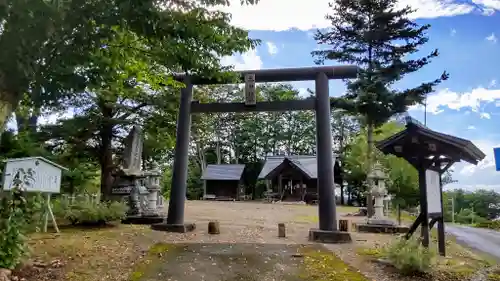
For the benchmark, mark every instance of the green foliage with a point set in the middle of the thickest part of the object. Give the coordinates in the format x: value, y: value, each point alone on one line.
x: 489, y: 224
x: 402, y: 180
x: 378, y: 37
x: 468, y: 216
x: 484, y: 204
x: 87, y: 212
x: 409, y: 256
x: 16, y: 215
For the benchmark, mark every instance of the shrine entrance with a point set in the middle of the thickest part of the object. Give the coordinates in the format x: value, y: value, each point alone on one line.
x: 327, y: 231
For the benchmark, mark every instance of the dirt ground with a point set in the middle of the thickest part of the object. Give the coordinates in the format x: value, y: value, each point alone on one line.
x: 137, y: 253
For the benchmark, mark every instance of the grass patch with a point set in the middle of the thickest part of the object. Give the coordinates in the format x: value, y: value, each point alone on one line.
x: 324, y: 265
x: 459, y: 264
x: 91, y: 254
x: 152, y: 260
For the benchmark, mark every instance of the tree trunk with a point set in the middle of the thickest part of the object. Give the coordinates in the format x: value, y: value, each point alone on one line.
x: 28, y: 124
x: 369, y: 197
x: 342, y: 193
x: 106, y: 160
x: 6, y: 109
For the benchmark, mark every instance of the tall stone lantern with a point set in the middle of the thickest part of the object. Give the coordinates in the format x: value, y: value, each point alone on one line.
x: 377, y: 178
x: 154, y: 200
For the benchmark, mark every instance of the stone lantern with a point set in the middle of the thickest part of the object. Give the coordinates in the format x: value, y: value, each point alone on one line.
x: 154, y: 198
x: 377, y: 179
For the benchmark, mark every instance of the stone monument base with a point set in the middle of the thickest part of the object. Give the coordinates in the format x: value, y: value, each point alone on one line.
x: 370, y: 227
x: 329, y: 236
x: 143, y: 220
x: 178, y: 228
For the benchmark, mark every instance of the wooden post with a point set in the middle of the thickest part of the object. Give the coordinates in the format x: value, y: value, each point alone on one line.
x: 48, y: 212
x: 213, y: 227
x: 204, y: 189
x: 281, y: 230
x: 344, y: 225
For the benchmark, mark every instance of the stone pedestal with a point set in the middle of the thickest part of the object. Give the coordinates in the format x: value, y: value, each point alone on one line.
x: 329, y: 236
x: 177, y: 228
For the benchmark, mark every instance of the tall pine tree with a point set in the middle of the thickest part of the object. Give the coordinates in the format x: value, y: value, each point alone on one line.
x: 376, y: 36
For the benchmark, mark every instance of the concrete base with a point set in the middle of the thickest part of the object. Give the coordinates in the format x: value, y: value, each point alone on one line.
x: 178, y: 228
x: 381, y: 228
x: 143, y: 220
x: 329, y: 236
x: 381, y: 222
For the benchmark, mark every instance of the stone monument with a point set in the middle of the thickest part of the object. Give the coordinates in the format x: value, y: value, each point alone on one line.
x: 379, y: 223
x: 131, y: 183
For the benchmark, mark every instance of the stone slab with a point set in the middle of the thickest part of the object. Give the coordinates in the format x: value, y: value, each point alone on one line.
x: 381, y: 228
x: 177, y: 228
x: 381, y: 222
x: 143, y: 220
x: 329, y: 236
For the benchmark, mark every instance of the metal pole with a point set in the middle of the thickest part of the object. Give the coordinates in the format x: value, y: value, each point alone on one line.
x: 326, y: 193
x: 425, y: 112
x: 179, y: 173
x: 453, y: 209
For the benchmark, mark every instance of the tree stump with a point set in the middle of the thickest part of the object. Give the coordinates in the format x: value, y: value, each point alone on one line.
x: 213, y: 227
x: 281, y: 230
x: 344, y: 225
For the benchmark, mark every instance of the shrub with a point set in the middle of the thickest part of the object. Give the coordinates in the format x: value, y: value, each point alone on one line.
x: 16, y: 214
x: 488, y: 224
x: 86, y: 212
x: 409, y: 256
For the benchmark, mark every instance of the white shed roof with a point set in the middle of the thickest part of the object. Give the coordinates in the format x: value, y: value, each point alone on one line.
x: 37, y: 158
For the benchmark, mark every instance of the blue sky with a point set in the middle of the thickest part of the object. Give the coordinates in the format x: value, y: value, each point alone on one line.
x: 466, y: 34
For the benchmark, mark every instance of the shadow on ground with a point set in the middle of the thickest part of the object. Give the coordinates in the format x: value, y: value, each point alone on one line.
x: 240, y: 262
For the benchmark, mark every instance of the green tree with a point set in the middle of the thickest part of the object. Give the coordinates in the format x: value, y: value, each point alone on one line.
x: 378, y: 37
x: 402, y: 177
x: 45, y: 44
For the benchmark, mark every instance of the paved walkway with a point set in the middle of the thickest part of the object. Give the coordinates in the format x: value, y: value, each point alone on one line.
x: 484, y: 240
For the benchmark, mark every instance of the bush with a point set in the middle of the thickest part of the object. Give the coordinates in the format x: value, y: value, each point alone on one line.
x: 488, y: 224
x: 409, y: 256
x: 87, y: 212
x: 16, y: 214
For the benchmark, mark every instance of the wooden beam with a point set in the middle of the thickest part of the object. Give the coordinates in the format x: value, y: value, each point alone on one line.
x: 277, y: 75
x: 288, y: 105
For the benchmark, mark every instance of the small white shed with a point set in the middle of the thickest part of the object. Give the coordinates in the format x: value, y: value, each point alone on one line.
x: 46, y: 174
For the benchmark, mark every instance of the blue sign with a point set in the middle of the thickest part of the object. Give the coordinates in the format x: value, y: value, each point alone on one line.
x: 496, y: 152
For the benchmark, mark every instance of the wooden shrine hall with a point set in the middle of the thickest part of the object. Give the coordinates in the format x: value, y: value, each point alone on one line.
x: 223, y: 182
x: 293, y: 178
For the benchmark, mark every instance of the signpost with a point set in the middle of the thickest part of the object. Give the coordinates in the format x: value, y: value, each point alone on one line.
x: 250, y: 96
x: 35, y: 174
x: 496, y: 152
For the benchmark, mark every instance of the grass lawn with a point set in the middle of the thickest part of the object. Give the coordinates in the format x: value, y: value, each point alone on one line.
x: 132, y: 253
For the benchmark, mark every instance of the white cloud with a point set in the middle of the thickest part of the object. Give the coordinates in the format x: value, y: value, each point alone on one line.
x: 272, y: 48
x: 487, y: 163
x: 492, y: 38
x: 471, y: 127
x: 472, y: 100
x: 485, y: 115
x: 312, y: 13
x: 453, y: 32
x: 488, y: 4
x: 246, y: 61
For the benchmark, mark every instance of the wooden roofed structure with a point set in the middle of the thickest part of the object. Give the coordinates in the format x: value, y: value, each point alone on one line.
x: 431, y: 153
x: 293, y: 177
x: 223, y: 182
